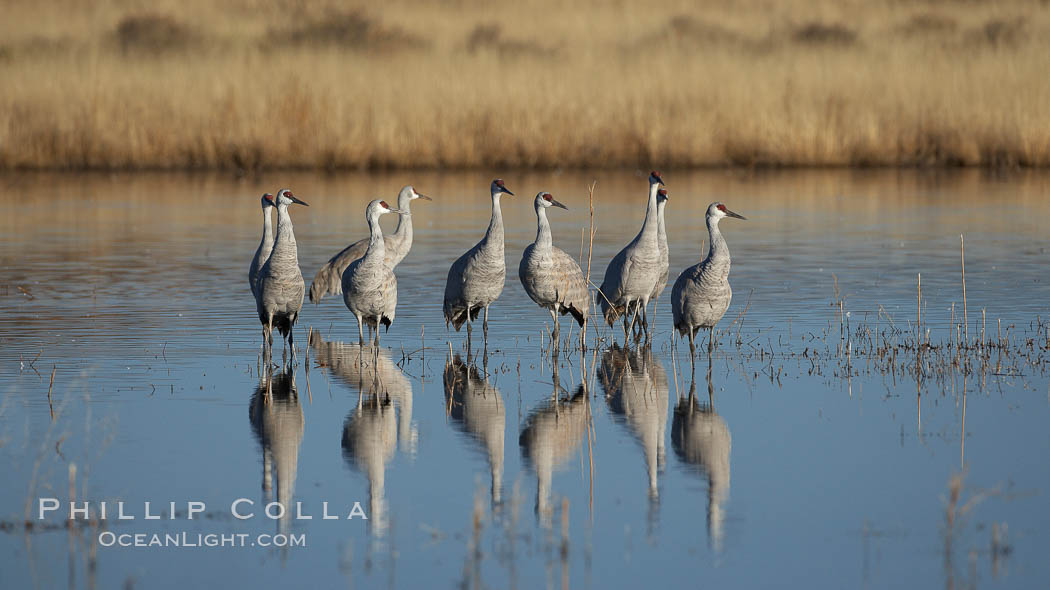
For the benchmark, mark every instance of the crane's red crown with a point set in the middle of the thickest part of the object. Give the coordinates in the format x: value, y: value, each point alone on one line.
x: 721, y: 207
x: 662, y: 192
x: 384, y: 205
x: 548, y: 197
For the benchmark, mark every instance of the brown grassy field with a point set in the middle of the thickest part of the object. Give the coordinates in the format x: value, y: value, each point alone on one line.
x: 321, y: 84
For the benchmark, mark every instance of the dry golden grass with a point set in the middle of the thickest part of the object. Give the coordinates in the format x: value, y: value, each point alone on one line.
x: 249, y: 84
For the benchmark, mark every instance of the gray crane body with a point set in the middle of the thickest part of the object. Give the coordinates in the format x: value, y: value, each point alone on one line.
x: 369, y: 285
x: 632, y: 275
x: 550, y: 276
x: 477, y: 277
x: 280, y: 281
x: 701, y: 294
x: 329, y: 278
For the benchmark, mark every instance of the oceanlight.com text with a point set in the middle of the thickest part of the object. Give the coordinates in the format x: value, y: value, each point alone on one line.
x: 196, y: 540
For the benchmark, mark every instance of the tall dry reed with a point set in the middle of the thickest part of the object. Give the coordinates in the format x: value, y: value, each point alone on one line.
x: 316, y: 84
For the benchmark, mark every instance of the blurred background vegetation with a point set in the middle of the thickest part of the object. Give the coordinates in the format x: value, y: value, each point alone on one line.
x: 319, y: 84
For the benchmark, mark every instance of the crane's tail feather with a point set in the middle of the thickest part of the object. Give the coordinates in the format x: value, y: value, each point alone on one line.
x: 457, y: 316
x: 284, y: 324
x: 326, y: 282
x: 609, y: 311
x: 316, y: 293
x: 457, y: 319
x: 577, y: 314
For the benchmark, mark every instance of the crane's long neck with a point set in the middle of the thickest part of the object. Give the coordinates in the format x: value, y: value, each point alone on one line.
x: 543, y: 231
x: 284, y: 247
x: 650, y: 227
x: 266, y: 244
x: 376, y: 246
x: 662, y: 229
x: 719, y: 251
x: 403, y: 232
x: 494, y: 234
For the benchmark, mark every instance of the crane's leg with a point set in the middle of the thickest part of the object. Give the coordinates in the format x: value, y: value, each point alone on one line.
x: 555, y: 344
x: 269, y: 332
x: 379, y: 322
x: 629, y: 310
x: 291, y: 340
x: 643, y: 320
x: 634, y: 316
x: 360, y: 330
x: 711, y: 342
x: 470, y: 328
x: 485, y: 325
x: 655, y: 303
x: 692, y: 342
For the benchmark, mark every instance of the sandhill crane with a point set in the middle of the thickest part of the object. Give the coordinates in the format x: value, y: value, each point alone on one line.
x: 478, y: 407
x: 329, y: 279
x: 632, y: 275
x: 476, y: 278
x: 701, y: 294
x: 277, y: 420
x: 369, y: 286
x: 552, y: 433
x: 280, y: 282
x: 636, y: 388
x: 550, y: 276
x: 701, y: 439
x: 262, y: 253
x: 661, y: 283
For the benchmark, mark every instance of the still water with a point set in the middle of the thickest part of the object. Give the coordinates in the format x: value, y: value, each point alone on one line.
x: 794, y: 455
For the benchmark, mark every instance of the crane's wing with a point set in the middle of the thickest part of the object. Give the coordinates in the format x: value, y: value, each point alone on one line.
x: 573, y: 294
x: 329, y: 278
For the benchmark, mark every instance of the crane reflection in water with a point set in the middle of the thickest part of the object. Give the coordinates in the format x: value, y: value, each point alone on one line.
x: 701, y: 440
x: 379, y: 422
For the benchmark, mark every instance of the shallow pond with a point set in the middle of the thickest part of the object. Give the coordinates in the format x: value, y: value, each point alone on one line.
x: 817, y: 446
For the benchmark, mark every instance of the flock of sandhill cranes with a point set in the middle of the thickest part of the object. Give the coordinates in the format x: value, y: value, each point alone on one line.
x: 363, y: 272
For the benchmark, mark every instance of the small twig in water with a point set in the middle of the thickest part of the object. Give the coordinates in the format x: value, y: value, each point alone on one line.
x: 49, y: 387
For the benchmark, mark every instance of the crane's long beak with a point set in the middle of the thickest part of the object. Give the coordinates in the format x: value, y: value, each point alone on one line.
x: 737, y: 215
x: 296, y: 200
x: 399, y: 211
x: 660, y: 180
x: 506, y: 190
x: 424, y: 197
x: 557, y: 204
